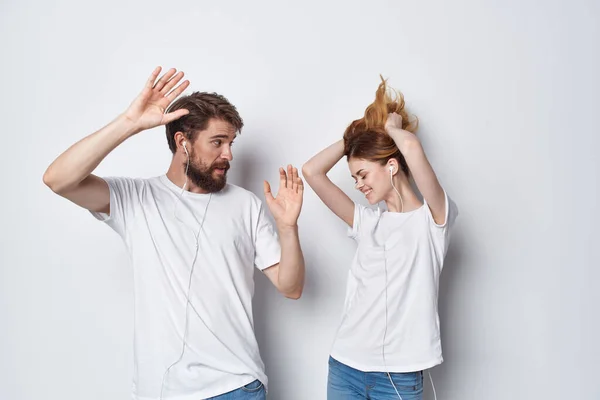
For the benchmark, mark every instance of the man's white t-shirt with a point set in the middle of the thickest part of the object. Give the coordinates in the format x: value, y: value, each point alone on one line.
x: 159, y: 228
x: 405, y: 251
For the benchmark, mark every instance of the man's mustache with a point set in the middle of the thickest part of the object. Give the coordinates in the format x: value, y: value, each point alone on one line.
x: 224, y: 166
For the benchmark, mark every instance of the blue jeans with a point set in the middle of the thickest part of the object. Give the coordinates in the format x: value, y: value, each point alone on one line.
x: 347, y: 383
x: 252, y: 391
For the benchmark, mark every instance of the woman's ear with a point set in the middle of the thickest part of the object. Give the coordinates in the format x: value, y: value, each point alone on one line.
x: 392, y: 166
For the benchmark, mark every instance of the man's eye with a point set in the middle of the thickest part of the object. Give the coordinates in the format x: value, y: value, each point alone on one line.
x: 217, y: 142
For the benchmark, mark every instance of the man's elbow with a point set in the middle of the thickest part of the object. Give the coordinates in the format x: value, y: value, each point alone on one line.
x: 293, y: 294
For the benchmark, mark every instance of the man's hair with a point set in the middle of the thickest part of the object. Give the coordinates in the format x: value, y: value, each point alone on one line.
x: 202, y: 107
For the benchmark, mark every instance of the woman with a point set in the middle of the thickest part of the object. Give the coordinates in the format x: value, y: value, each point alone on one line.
x: 390, y: 329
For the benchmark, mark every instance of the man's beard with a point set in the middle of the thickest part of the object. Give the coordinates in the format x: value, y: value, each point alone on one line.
x: 202, y: 175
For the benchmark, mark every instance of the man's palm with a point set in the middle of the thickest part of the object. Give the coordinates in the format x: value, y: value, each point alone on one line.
x: 288, y: 203
x: 148, y: 109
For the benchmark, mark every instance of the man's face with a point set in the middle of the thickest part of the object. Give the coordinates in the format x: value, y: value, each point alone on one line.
x: 210, y: 155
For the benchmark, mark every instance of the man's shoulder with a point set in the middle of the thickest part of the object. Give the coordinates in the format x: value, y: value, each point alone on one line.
x: 131, y: 180
x: 239, y: 193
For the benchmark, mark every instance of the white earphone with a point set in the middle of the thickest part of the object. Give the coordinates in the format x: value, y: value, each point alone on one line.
x: 197, y: 245
x: 391, y: 168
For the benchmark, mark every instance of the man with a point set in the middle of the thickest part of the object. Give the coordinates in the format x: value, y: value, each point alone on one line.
x: 193, y: 240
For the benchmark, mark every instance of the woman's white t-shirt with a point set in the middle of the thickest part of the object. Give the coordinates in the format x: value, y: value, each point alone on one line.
x: 405, y: 252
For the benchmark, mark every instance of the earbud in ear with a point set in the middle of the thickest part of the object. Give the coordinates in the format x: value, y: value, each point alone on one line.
x: 184, y: 145
x: 391, y: 169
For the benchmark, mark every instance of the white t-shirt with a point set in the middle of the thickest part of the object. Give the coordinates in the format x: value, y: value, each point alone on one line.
x: 221, y: 353
x: 412, y: 247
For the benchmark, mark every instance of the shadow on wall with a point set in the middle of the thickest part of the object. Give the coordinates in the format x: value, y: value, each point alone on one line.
x: 450, y: 285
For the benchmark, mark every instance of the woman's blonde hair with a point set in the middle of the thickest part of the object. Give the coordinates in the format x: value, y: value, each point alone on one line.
x: 366, y: 138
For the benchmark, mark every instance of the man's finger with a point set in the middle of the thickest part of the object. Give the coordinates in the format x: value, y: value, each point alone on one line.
x: 164, y: 79
x: 282, y: 178
x: 267, y: 189
x: 177, y: 91
x: 295, y: 179
x: 172, y: 116
x: 172, y: 82
x: 152, y: 79
x: 290, y: 181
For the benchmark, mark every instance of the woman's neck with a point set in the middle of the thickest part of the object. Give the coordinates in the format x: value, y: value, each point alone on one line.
x: 409, y: 201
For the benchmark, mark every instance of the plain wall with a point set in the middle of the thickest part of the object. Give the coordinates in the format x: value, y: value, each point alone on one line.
x: 507, y: 93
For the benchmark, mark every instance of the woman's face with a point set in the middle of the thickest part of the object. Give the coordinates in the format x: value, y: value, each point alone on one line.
x: 372, y: 179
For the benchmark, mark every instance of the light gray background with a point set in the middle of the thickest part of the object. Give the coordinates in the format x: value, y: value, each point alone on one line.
x: 507, y: 95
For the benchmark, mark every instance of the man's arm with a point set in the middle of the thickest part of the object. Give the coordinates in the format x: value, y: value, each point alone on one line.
x: 70, y: 175
x: 288, y: 274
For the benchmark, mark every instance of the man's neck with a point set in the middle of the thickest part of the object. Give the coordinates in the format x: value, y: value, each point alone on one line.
x: 176, y: 174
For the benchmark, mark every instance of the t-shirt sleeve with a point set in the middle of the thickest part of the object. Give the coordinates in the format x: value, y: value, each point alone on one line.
x: 442, y: 231
x: 267, y: 250
x: 124, y: 201
x: 364, y: 218
x: 356, y: 223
